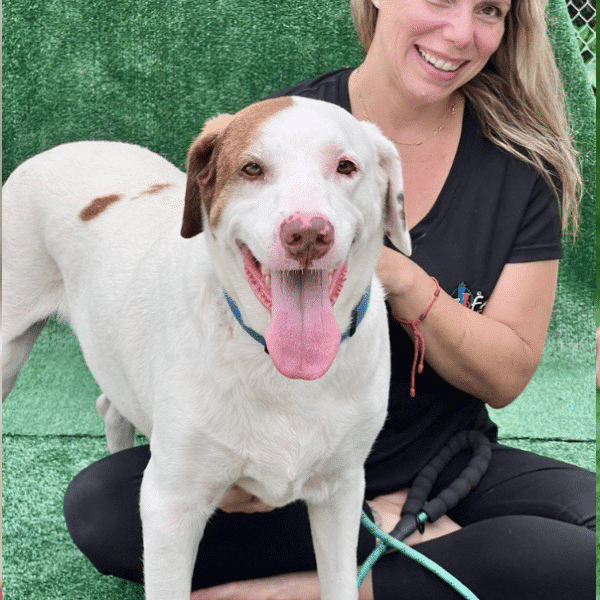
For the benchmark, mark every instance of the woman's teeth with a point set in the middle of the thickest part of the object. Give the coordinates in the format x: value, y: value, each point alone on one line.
x: 438, y: 63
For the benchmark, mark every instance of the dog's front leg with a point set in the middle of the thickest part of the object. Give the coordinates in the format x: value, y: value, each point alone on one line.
x: 334, y: 526
x: 173, y: 521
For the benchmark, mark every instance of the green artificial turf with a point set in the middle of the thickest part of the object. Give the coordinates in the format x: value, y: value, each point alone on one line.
x: 40, y: 560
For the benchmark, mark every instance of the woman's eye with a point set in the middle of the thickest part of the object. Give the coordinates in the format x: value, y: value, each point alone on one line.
x: 492, y: 11
x: 252, y: 169
x: 346, y: 167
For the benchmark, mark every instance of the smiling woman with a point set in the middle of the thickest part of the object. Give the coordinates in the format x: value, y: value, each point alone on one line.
x: 420, y: 52
x: 427, y: 49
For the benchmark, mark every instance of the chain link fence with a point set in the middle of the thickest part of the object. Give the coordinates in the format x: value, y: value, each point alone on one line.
x: 583, y: 16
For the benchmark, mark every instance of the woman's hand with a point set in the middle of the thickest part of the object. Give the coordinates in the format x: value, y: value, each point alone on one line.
x: 394, y: 271
x: 388, y: 509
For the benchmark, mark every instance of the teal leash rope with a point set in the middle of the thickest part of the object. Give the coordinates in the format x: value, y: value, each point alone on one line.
x: 389, y: 542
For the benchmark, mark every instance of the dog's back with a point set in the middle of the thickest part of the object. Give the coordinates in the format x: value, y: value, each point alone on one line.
x: 51, y: 236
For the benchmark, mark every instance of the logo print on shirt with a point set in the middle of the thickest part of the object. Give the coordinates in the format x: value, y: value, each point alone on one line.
x: 469, y: 300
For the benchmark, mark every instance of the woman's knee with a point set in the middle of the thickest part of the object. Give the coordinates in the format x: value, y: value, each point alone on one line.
x: 539, y: 556
x: 102, y: 514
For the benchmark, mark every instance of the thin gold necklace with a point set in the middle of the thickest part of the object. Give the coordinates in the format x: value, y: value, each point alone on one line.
x: 420, y: 142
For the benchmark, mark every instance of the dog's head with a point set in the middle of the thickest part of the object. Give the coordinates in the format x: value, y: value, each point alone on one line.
x: 295, y: 195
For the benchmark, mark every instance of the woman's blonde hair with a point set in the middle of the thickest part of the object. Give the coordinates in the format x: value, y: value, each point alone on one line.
x: 519, y: 99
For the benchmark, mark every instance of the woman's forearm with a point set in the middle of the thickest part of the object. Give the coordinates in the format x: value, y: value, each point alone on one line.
x: 481, y: 355
x: 472, y: 352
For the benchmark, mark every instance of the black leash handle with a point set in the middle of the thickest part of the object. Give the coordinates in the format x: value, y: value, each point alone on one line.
x: 417, y: 507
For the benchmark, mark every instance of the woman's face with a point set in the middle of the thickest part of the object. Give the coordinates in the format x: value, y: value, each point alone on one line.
x: 430, y: 48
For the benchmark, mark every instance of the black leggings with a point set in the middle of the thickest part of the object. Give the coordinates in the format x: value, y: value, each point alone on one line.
x: 528, y: 532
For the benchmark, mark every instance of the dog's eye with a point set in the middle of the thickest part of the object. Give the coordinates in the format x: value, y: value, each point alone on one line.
x: 346, y: 167
x: 252, y: 169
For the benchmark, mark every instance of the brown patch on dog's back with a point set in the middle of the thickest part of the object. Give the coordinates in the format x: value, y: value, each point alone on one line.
x: 215, y: 158
x: 98, y: 205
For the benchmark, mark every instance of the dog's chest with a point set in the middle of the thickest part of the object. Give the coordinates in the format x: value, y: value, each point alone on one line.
x: 286, y: 459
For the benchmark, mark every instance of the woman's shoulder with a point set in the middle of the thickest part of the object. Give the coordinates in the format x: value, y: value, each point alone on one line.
x: 487, y: 151
x: 483, y: 163
x: 519, y: 204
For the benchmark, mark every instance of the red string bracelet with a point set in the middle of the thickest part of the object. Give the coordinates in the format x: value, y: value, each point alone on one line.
x: 419, y: 340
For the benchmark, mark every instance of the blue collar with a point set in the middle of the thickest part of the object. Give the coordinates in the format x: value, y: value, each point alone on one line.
x: 358, y: 314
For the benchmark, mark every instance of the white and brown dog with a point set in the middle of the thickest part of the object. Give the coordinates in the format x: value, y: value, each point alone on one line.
x: 255, y: 353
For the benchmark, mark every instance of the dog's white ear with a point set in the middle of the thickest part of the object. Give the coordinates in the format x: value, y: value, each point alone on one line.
x: 394, y: 219
x: 201, y: 173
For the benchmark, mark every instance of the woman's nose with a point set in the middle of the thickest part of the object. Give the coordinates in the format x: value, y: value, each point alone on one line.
x: 460, y: 27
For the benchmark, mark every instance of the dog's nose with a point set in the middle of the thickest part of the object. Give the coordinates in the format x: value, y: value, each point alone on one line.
x: 306, y: 237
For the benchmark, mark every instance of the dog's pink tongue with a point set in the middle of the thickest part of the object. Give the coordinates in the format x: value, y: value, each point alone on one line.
x: 302, y: 337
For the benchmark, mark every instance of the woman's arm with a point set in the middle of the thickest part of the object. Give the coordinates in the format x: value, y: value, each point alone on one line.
x: 491, y: 355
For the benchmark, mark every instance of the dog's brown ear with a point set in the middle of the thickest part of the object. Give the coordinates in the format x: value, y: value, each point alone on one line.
x: 201, y: 174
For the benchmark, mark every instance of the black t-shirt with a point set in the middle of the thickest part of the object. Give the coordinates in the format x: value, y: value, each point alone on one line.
x: 493, y: 209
